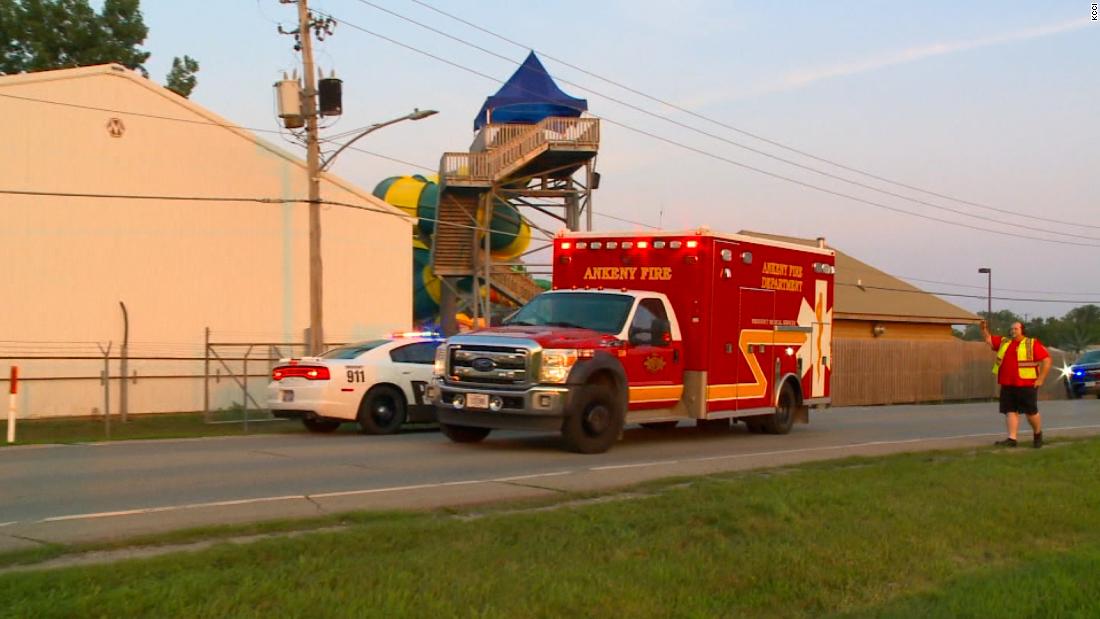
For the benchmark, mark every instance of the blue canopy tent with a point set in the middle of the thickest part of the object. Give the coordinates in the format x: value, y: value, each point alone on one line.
x: 527, y: 97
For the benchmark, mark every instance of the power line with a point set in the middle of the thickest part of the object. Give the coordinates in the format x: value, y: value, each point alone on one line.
x: 624, y: 220
x: 190, y: 121
x: 728, y: 160
x: 840, y: 193
x: 960, y: 295
x: 718, y: 137
x: 93, y: 108
x: 203, y: 122
x: 386, y: 157
x: 176, y: 198
x: 977, y: 287
x: 447, y: 223
x: 198, y: 122
x: 219, y: 198
x: 67, y: 194
x: 739, y: 130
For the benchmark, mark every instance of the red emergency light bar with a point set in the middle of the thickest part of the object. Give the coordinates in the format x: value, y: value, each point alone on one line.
x: 642, y: 244
x: 308, y: 372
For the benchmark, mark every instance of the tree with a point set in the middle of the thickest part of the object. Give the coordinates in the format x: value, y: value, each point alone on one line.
x: 181, y: 79
x: 1078, y: 329
x: 1081, y: 327
x: 999, y: 323
x: 56, y: 34
x: 37, y: 35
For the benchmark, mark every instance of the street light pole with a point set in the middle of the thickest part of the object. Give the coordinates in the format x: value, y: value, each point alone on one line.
x: 988, y: 294
x: 414, y: 115
x: 989, y: 313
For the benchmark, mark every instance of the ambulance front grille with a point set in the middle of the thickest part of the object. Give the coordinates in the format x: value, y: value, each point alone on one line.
x: 476, y: 365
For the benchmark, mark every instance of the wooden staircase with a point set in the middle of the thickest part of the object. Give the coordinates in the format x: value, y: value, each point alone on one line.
x: 500, y: 155
x: 455, y: 238
x: 517, y: 287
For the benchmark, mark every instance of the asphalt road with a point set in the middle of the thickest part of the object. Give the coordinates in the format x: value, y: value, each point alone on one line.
x: 95, y: 491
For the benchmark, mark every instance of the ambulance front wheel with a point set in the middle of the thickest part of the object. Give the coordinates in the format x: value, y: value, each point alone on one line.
x: 595, y: 421
x: 782, y: 419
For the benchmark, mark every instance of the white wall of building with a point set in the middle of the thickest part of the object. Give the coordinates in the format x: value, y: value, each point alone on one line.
x: 239, y: 268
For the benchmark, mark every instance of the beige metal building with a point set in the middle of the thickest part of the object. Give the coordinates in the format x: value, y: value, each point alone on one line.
x: 893, y: 342
x: 239, y: 267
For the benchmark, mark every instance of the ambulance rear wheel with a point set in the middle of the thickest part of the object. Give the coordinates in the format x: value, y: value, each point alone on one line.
x: 781, y: 421
x: 595, y: 422
x: 464, y: 434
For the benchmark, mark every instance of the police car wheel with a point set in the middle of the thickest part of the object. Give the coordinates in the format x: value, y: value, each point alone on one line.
x: 464, y: 434
x: 594, y: 423
x: 320, y: 426
x: 382, y: 411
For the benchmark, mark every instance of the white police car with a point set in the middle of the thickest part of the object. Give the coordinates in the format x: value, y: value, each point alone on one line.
x: 379, y: 384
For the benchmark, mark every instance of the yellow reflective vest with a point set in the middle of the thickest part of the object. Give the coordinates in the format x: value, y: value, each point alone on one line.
x: 1025, y: 358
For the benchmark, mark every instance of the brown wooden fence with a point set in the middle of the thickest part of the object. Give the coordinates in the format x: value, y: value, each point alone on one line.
x: 867, y: 372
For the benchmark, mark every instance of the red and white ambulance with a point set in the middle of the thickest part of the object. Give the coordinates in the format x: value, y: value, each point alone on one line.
x: 650, y: 329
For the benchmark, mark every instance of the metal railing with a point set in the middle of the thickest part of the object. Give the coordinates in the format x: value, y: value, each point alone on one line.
x: 224, y: 380
x: 511, y: 143
x: 471, y: 167
x: 493, y: 135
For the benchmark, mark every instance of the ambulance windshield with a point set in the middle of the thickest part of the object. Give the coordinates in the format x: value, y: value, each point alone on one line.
x: 601, y: 312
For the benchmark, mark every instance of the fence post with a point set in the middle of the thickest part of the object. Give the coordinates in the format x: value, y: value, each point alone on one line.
x: 206, y: 378
x: 14, y: 389
x: 106, y: 387
x: 123, y: 387
x: 244, y: 386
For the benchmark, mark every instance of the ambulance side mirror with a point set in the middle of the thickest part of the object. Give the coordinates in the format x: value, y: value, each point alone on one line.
x: 640, y: 337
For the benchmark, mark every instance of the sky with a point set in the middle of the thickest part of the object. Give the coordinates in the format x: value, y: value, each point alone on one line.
x: 990, y: 103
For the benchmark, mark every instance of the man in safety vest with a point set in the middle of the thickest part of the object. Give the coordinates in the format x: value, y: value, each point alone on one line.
x: 1021, y: 367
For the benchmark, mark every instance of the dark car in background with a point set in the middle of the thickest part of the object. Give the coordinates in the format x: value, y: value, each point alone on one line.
x: 1084, y: 375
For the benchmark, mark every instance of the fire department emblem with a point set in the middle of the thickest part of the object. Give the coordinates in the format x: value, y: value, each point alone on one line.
x: 654, y: 363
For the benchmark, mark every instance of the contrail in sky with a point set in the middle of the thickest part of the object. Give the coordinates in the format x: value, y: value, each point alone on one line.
x: 801, y: 78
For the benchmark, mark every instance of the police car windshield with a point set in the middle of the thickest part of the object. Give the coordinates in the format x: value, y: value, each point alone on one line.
x: 1092, y: 356
x: 605, y: 313
x: 352, y: 351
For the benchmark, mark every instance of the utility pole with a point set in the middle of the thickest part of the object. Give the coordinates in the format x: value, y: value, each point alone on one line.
x: 303, y: 106
x: 316, y: 341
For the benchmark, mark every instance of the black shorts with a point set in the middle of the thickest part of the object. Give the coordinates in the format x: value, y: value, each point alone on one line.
x: 1019, y: 400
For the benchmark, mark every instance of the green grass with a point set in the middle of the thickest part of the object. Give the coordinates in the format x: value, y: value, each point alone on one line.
x: 46, y: 552
x: 978, y: 533
x: 175, y: 425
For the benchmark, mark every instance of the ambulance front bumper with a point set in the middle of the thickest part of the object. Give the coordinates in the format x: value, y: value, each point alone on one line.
x: 541, y: 407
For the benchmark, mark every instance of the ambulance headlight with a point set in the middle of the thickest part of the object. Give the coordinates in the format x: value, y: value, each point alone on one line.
x: 556, y: 363
x: 440, y: 367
